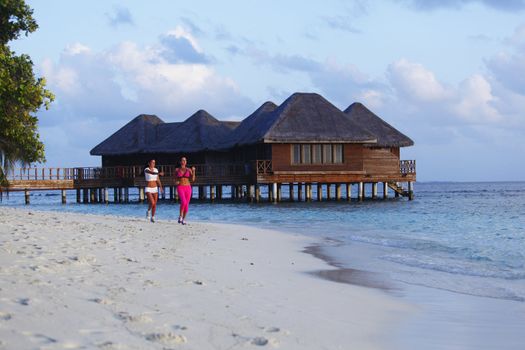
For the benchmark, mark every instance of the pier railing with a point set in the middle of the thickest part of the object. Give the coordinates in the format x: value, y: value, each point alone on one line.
x: 131, y: 172
x: 203, y: 171
x: 407, y: 167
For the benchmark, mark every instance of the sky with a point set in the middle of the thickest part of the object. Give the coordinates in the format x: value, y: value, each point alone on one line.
x: 447, y: 73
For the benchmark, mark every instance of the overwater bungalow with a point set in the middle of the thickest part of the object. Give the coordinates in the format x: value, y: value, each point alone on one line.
x: 306, y: 141
x: 306, y: 144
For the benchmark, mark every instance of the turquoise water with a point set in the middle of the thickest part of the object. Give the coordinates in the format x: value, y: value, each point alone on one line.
x: 464, y: 237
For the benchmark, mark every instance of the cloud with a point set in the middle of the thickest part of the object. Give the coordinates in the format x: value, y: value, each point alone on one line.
x: 179, y: 46
x: 505, y: 68
x: 343, y: 23
x: 98, y: 92
x: 119, y: 16
x: 429, y: 5
x: 415, y: 83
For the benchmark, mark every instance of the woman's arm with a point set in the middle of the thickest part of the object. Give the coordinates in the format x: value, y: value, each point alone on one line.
x: 192, y: 174
x: 177, y: 180
x: 159, y: 184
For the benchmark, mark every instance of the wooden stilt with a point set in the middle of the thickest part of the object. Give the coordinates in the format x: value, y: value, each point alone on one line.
x: 274, y: 192
x: 385, y: 190
x: 106, y: 195
x: 126, y: 194
x: 299, y: 191
x: 410, y: 190
x: 26, y: 196
x: 257, y: 193
x: 374, y: 190
x: 328, y: 191
x: 92, y: 195
x: 279, y: 193
x: 348, y: 191
x: 290, y: 188
x: 212, y: 193
x: 63, y: 193
x: 308, y: 192
x: 141, y: 194
x: 360, y: 191
x: 319, y: 191
x: 338, y: 192
x: 115, y: 195
x: 85, y: 195
x: 78, y: 195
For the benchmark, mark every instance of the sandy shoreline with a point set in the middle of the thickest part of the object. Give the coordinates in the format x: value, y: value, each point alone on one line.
x: 84, y: 281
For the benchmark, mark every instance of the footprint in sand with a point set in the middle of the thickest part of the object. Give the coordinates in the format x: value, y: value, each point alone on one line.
x: 40, y: 338
x: 111, y: 346
x: 124, y: 316
x: 5, y: 316
x: 166, y: 338
x: 262, y: 341
x: 23, y: 301
x: 102, y: 301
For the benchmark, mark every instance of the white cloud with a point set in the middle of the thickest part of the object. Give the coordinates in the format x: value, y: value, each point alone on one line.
x: 76, y: 48
x: 476, y: 101
x: 96, y: 89
x: 416, y: 83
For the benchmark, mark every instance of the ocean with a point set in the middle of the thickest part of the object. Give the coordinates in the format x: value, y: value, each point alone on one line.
x: 467, y: 238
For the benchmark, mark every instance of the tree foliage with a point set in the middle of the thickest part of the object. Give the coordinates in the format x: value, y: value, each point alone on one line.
x: 21, y: 93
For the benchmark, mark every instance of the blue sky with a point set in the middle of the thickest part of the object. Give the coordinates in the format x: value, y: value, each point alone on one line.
x: 447, y: 73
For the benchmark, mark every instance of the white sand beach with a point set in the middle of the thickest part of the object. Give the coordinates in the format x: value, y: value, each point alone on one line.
x: 72, y: 281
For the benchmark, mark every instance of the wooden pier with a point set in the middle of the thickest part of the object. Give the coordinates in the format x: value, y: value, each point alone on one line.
x: 247, y: 181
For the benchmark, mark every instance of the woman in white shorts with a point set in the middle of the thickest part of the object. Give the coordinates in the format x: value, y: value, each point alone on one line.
x: 152, y: 188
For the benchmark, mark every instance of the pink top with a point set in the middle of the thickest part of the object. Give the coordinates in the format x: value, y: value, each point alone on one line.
x: 186, y: 174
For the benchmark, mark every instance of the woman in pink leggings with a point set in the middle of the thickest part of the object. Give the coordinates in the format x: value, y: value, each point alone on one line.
x: 183, y: 175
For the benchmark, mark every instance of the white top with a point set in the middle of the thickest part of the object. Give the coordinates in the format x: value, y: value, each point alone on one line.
x: 151, y: 177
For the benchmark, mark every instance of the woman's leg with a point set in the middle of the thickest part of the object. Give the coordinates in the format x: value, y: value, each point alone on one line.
x: 155, y: 198
x: 150, y: 200
x: 182, y: 199
x: 187, y: 190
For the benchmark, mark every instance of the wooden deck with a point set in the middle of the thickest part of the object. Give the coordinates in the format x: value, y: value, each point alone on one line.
x: 257, y: 173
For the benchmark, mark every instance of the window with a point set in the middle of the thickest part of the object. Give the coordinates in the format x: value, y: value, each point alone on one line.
x: 327, y: 153
x: 307, y: 154
x: 338, y: 153
x: 296, y: 154
x: 317, y: 154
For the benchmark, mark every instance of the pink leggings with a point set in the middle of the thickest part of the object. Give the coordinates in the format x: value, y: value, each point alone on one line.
x: 184, y: 197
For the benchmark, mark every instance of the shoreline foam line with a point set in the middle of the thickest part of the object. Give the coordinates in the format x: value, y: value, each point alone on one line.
x: 76, y: 280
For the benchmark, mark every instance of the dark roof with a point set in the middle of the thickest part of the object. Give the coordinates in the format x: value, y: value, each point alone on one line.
x: 303, y: 117
x: 149, y: 134
x: 309, y: 117
x: 134, y: 137
x: 253, y: 127
x: 387, y: 135
x: 199, y: 132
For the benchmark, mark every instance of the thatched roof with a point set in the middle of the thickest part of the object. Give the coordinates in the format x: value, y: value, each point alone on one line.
x: 253, y: 127
x: 134, y: 137
x: 303, y: 117
x: 199, y: 132
x: 387, y: 135
x: 149, y: 134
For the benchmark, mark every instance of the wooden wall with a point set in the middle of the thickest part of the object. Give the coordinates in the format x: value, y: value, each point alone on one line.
x: 373, y: 161
x: 282, y: 155
x: 381, y: 160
